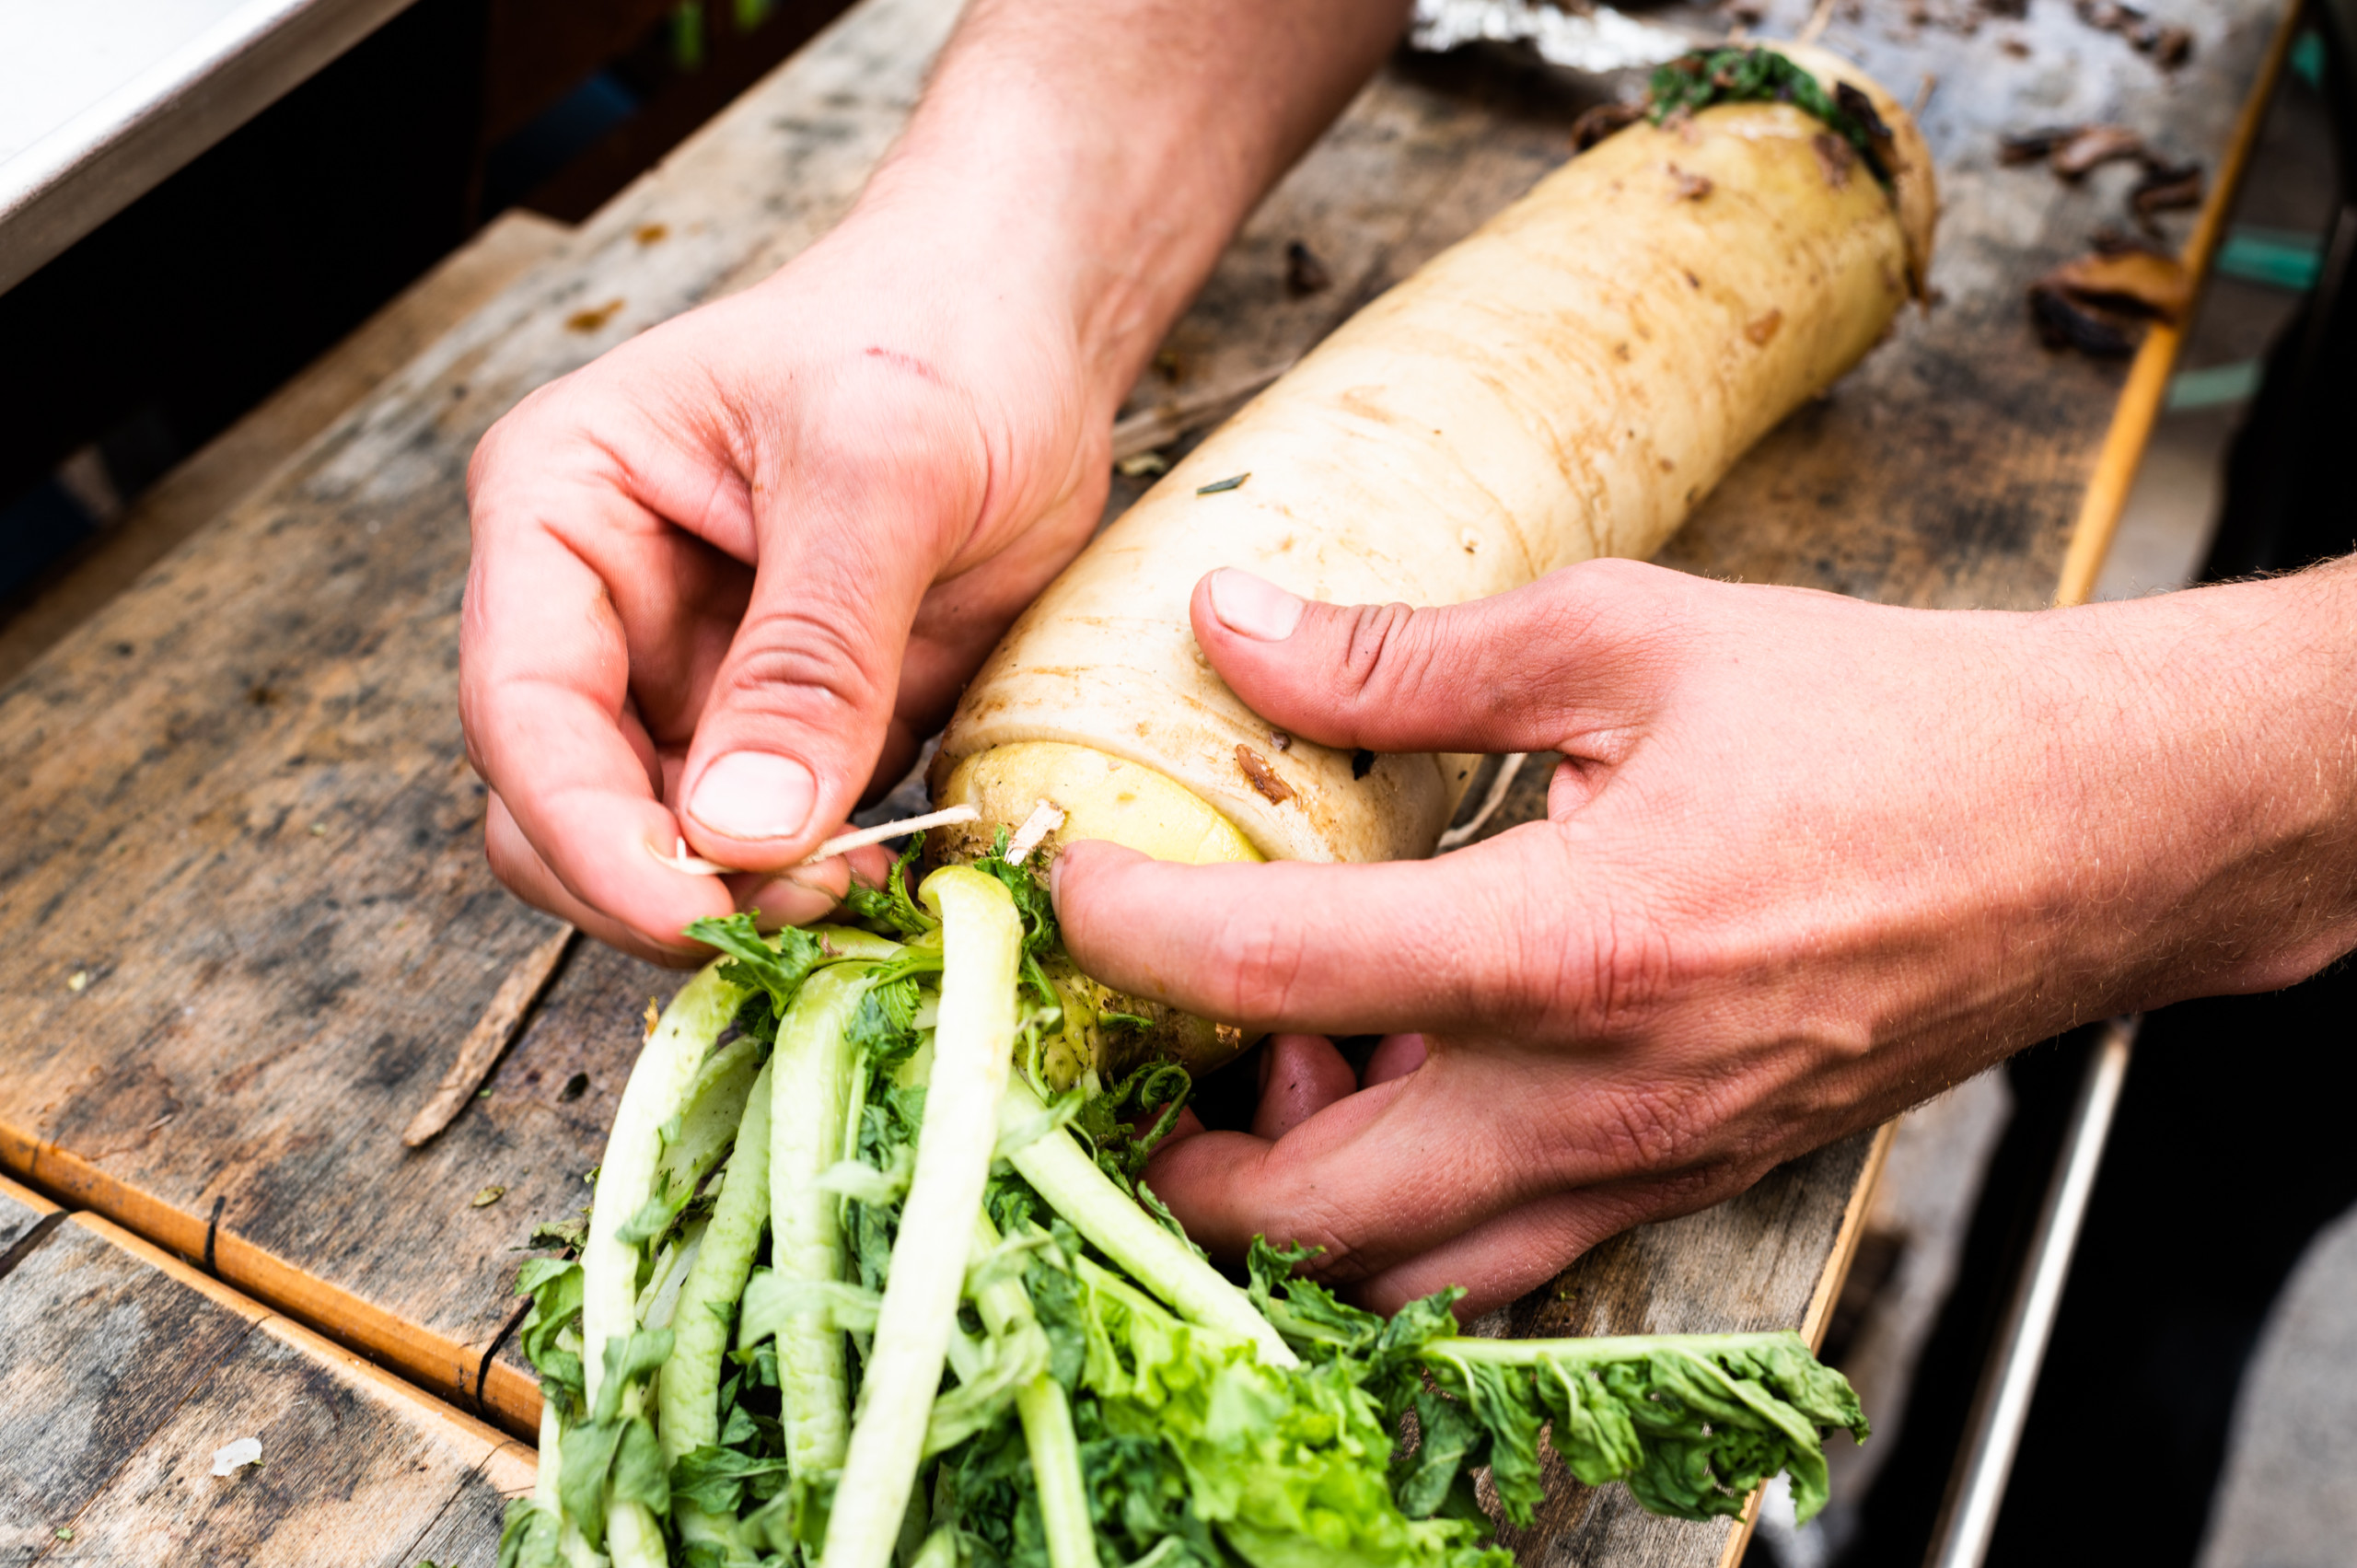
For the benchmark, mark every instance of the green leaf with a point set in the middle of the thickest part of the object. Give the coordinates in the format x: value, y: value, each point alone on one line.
x: 587, y: 1456
x: 1450, y: 1444
x: 1696, y: 81
x: 629, y: 1360
x: 738, y: 1428
x: 1165, y: 1218
x: 776, y: 964
x: 565, y: 1236
x: 609, y: 1455
x: 889, y: 908
x: 1693, y: 1423
x: 1156, y: 1093
x: 1289, y: 1466
x: 654, y: 1217
x: 554, y: 1285
x: 529, y: 1537
x: 772, y: 1298
x: 713, y: 1478
x: 881, y: 1026
x: 1033, y: 907
x: 640, y: 1475
x: 1317, y: 1325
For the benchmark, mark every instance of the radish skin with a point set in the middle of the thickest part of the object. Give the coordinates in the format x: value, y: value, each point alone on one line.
x: 1565, y: 383
x: 972, y: 1048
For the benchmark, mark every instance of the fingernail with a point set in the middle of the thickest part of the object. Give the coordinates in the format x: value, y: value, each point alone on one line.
x: 753, y: 795
x: 1253, y: 607
x: 1056, y: 879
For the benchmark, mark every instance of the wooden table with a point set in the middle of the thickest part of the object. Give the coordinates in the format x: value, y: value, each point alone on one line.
x: 123, y: 1372
x: 244, y: 891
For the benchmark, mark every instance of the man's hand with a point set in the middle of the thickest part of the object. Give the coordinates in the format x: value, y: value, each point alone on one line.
x: 724, y: 570
x: 1808, y: 861
x: 726, y: 577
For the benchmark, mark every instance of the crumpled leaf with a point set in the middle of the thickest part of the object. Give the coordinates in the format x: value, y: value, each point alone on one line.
x: 530, y: 1537
x: 1693, y: 1423
x: 554, y: 1285
x: 2139, y: 280
x: 1289, y: 1466
x: 776, y: 964
x: 715, y: 1479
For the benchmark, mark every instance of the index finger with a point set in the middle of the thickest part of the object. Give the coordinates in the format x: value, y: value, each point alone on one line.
x: 1479, y: 938
x: 544, y: 676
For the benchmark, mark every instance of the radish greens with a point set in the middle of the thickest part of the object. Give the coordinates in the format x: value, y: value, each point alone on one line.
x: 871, y: 1280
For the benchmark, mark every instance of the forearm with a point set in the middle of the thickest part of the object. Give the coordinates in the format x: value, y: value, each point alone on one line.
x: 2233, y: 713
x: 1093, y: 157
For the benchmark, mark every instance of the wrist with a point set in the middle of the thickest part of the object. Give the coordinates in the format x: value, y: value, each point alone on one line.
x: 2223, y: 720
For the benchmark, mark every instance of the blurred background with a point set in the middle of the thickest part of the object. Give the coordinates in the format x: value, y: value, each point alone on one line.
x: 159, y: 329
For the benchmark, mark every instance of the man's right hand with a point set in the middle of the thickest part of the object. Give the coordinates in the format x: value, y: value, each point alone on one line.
x: 727, y: 577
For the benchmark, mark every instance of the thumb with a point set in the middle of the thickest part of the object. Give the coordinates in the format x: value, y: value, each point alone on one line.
x: 798, y: 710
x: 1496, y: 674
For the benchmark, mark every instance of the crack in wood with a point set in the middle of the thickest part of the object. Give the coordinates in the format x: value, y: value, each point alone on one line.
x: 30, y: 1242
x: 213, y: 1233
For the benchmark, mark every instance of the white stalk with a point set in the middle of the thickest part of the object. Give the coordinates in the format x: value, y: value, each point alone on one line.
x: 687, y: 1399
x: 658, y: 1090
x: 810, y: 1096
x: 973, y: 1047
x: 1062, y: 1173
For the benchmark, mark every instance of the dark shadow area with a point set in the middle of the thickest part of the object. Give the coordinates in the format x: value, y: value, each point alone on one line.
x: 166, y: 324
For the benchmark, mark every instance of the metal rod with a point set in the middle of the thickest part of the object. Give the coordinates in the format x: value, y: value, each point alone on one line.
x: 2002, y: 1407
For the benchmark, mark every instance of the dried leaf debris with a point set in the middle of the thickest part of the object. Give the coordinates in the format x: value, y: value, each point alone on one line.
x: 1262, y: 777
x: 2100, y: 304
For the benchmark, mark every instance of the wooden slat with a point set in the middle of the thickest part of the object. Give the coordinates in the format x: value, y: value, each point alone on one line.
x: 122, y: 1370
x: 264, y: 1005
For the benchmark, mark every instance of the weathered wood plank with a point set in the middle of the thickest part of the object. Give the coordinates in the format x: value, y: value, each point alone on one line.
x: 121, y: 1373
x: 97, y: 1354
x: 245, y: 819
x: 22, y: 1212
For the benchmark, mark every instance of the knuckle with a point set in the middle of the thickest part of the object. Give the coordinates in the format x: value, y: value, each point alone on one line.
x: 794, y: 657
x: 1619, y: 972
x: 1382, y: 658
x: 1263, y: 957
x: 1642, y: 1128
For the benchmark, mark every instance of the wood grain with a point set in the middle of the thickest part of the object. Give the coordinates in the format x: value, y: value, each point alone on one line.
x: 242, y: 811
x: 122, y: 1372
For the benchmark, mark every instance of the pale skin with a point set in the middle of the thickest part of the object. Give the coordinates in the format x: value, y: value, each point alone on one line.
x: 1809, y: 860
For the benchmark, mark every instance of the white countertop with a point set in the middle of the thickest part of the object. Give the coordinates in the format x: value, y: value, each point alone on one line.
x: 101, y: 100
